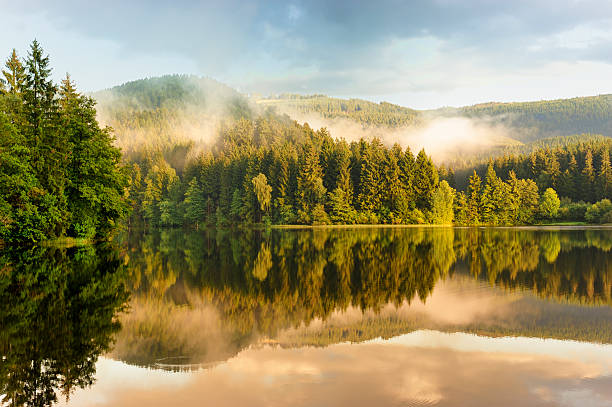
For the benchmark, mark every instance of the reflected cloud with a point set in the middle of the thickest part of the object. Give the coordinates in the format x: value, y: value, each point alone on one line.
x: 377, y: 373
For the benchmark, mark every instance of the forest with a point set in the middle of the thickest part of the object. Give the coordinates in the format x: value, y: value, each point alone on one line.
x: 60, y: 174
x: 272, y: 170
x: 188, y: 151
x: 528, y: 121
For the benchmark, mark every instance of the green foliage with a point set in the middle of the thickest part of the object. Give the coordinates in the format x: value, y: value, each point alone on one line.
x: 599, y: 212
x: 195, y: 208
x: 442, y: 212
x: 311, y: 177
x: 535, y: 120
x: 550, y: 204
x: 578, y: 170
x: 263, y: 191
x: 361, y: 111
x: 59, y: 171
x: 58, y: 313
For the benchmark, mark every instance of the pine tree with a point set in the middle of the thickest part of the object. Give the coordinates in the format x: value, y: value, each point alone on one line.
x: 461, y: 209
x: 372, y: 175
x: 605, y: 176
x: 473, y: 204
x: 488, y: 199
x: 340, y: 199
x: 567, y: 186
x: 49, y: 148
x: 195, y: 210
x: 14, y: 74
x: 588, y: 178
x: 236, y: 206
x: 425, y: 180
x: 395, y: 200
x: 310, y: 189
x: 93, y: 187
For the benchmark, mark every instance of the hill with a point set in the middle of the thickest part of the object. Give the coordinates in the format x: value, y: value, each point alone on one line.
x: 169, y: 110
x: 525, y: 121
x: 536, y: 120
x: 362, y: 111
x: 179, y: 108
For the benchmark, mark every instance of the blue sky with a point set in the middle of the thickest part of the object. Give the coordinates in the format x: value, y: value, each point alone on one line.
x: 420, y: 54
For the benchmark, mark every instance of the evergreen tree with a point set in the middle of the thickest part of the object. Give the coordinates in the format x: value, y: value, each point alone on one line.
x: 425, y: 180
x: 48, y: 147
x: 406, y: 164
x: 59, y: 173
x: 93, y: 187
x: 588, y: 177
x: 604, y: 180
x: 473, y: 203
x: 568, y: 179
x: 461, y: 209
x: 14, y: 74
x: 340, y: 199
x: 310, y: 189
x: 372, y: 175
x: 195, y: 206
x: 395, y: 200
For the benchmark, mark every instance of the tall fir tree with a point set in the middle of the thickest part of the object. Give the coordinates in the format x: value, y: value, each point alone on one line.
x: 14, y: 74
x: 604, y: 179
x: 588, y: 178
x: 473, y: 203
x: 310, y: 189
x: 425, y: 180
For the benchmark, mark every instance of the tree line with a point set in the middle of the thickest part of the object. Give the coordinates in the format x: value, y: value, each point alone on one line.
x: 61, y: 174
x: 272, y: 170
x: 59, y: 171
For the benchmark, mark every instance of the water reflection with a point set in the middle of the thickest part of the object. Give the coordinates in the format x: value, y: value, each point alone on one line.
x: 200, y: 298
x: 57, y: 315
x: 419, y: 369
x: 256, y: 317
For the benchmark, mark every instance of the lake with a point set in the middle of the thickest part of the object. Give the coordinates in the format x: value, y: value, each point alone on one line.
x: 363, y: 316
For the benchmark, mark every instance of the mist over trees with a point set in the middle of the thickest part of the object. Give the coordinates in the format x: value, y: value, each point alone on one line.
x: 198, y: 153
x: 527, y: 121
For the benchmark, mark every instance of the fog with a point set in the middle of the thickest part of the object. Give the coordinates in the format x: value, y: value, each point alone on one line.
x: 442, y: 137
x: 169, y: 110
x: 205, y: 106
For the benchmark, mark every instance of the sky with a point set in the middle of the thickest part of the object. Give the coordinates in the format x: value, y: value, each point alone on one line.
x: 421, y: 54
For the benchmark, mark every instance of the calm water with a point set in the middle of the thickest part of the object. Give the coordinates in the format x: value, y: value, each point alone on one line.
x: 324, y: 317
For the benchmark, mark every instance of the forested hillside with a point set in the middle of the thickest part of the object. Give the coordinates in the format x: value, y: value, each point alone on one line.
x: 535, y: 120
x: 258, y: 166
x: 168, y: 111
x: 525, y: 121
x: 362, y: 111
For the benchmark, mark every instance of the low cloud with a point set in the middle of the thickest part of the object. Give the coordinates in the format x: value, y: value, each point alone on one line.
x: 443, y: 138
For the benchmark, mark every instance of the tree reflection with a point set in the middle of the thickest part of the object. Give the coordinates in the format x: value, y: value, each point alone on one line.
x: 58, y: 312
x: 262, y: 282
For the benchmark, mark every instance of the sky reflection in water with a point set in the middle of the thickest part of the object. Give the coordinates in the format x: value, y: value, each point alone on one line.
x: 361, y: 317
